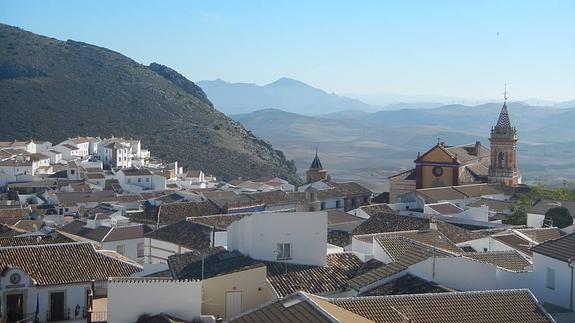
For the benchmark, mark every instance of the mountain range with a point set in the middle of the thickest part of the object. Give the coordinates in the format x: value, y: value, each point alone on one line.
x: 368, y: 147
x: 285, y: 94
x: 298, y: 97
x: 52, y: 90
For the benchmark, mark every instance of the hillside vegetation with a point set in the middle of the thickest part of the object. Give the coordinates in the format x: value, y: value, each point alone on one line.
x: 51, y: 89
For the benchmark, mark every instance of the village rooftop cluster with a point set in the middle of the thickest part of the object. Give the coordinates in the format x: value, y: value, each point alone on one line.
x: 98, y: 230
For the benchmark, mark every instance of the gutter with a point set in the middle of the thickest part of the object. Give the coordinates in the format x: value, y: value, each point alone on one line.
x: 570, y: 264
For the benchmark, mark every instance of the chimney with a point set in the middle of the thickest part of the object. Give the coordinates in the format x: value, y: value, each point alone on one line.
x: 477, y: 147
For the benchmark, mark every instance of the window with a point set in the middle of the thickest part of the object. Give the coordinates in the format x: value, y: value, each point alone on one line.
x: 550, y: 278
x: 338, y: 204
x: 147, y: 180
x: 323, y: 205
x: 72, y: 171
x: 140, y: 249
x: 283, y: 251
x: 139, y: 179
x: 121, y: 249
x: 129, y: 181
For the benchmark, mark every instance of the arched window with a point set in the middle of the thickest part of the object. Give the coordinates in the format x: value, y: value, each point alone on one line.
x: 501, y: 160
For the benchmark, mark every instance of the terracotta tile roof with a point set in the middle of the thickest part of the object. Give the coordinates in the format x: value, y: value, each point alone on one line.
x: 12, y: 215
x: 174, y: 212
x: 494, y: 205
x: 105, y: 234
x: 404, y: 253
x: 543, y: 205
x: 38, y: 157
x: 184, y: 233
x: 377, y: 209
x: 468, y: 153
x: 34, y: 240
x: 482, y: 306
x: 6, y: 231
x: 514, y: 241
x: 339, y: 217
x: 273, y: 198
x: 293, y: 308
x: 350, y: 188
x: 510, y: 260
x: 339, y: 238
x: 314, y: 279
x: 65, y: 263
x: 136, y: 171
x: 390, y: 222
x: 561, y: 249
x: 28, y: 225
x: 445, y: 208
x: 216, y: 263
x: 541, y: 234
x: 407, y: 284
x: 458, y: 234
x: 94, y: 176
x: 437, y: 194
x: 428, y: 237
x: 219, y: 221
x: 15, y: 163
x: 72, y: 198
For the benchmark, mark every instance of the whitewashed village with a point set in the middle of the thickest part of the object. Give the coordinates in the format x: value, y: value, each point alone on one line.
x: 99, y: 230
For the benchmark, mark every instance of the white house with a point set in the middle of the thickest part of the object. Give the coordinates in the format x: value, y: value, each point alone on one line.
x: 139, y: 177
x: 130, y: 298
x: 17, y: 170
x: 127, y: 240
x: 177, y: 238
x: 68, y: 151
x: 292, y: 237
x: 82, y: 143
x: 34, y: 284
x: 54, y: 155
x: 27, y: 145
x: 553, y: 266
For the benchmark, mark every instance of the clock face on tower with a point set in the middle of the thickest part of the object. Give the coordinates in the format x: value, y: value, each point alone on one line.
x: 437, y: 171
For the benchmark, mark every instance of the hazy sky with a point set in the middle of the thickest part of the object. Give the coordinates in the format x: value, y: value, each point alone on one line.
x: 457, y: 48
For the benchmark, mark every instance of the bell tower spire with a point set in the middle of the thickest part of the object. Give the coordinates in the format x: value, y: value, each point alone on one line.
x: 503, y: 167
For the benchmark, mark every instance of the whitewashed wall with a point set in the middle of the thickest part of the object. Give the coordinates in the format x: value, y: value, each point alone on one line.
x: 128, y: 299
x: 257, y: 236
x: 561, y: 294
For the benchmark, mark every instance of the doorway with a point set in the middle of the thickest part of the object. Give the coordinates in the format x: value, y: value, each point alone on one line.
x: 56, y: 306
x: 233, y: 303
x: 14, y: 307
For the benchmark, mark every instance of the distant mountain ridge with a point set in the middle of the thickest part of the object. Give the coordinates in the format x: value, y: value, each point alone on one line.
x: 285, y: 94
x: 52, y: 90
x: 368, y: 147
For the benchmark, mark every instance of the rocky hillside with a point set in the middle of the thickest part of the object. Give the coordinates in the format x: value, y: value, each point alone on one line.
x: 51, y: 89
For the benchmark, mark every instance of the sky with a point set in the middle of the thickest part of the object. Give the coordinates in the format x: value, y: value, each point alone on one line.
x: 466, y: 49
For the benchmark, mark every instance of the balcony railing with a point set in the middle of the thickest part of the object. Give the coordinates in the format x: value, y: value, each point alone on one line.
x: 99, y: 317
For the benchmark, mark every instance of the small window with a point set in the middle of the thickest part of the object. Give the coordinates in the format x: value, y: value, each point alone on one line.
x: 323, y: 205
x: 139, y: 179
x: 72, y: 171
x: 140, y: 250
x: 121, y: 249
x: 147, y: 180
x: 338, y: 204
x: 129, y: 181
x: 550, y: 278
x: 283, y: 251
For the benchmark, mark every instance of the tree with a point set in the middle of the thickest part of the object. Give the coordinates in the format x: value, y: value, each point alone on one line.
x: 560, y: 217
x: 518, y: 215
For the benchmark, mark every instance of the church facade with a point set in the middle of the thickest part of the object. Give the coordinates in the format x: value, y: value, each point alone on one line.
x: 444, y: 165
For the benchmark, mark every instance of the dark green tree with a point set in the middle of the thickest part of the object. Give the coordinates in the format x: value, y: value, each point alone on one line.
x: 560, y: 217
x: 518, y: 215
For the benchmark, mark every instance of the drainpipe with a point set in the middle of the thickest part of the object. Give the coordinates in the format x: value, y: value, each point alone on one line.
x: 570, y: 264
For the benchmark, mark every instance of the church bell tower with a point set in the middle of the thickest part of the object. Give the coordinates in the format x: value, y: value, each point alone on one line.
x: 503, y: 141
